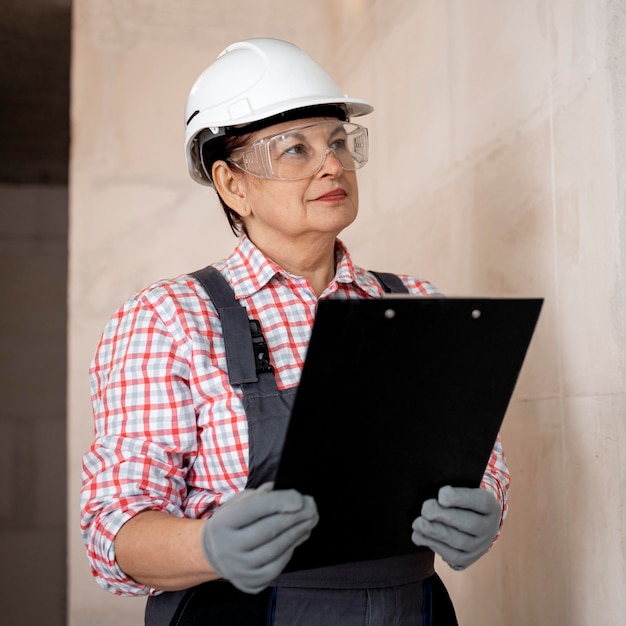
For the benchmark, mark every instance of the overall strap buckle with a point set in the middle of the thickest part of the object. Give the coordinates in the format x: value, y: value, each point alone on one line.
x: 259, y: 346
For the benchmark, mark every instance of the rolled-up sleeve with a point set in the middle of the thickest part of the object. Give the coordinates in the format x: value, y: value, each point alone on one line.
x: 145, y: 434
x: 497, y: 479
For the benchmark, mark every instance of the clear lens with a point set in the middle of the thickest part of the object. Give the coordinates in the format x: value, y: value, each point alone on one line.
x: 301, y: 152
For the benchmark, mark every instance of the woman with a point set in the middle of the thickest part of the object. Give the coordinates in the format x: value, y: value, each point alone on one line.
x: 177, y: 495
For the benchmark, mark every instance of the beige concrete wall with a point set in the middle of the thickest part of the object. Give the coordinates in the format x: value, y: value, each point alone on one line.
x: 497, y: 168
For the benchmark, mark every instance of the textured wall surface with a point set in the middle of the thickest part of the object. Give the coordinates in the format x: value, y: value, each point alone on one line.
x: 497, y: 168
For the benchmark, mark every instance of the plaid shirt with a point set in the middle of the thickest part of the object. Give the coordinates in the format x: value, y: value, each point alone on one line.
x: 170, y: 431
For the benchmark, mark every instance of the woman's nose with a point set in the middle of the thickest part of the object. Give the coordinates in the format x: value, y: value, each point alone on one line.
x: 331, y: 165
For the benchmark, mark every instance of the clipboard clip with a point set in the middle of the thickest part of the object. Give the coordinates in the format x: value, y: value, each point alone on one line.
x: 259, y: 347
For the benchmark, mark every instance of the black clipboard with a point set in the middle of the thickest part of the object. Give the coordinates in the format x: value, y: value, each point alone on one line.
x: 398, y: 397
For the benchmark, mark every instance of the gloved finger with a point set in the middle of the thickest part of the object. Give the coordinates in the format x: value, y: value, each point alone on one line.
x: 444, y: 534
x: 457, y: 559
x: 273, y: 551
x: 479, y: 500
x: 463, y: 520
x: 250, y: 505
x: 433, y: 511
x: 256, y: 579
x: 273, y: 527
x: 419, y: 538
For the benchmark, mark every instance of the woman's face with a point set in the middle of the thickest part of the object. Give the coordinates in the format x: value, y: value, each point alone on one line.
x: 322, y: 204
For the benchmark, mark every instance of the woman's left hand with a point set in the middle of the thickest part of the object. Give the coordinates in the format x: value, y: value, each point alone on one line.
x: 460, y: 525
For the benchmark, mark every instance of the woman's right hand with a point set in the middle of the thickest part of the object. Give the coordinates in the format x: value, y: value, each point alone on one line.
x: 251, y: 537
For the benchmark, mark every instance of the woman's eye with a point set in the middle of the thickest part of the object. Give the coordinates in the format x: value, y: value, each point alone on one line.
x: 296, y: 150
x: 338, y: 144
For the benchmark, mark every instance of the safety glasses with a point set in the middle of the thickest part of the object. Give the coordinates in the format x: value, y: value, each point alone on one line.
x: 301, y: 152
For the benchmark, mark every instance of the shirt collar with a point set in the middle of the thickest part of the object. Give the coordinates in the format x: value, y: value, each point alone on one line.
x: 250, y: 270
x: 348, y: 273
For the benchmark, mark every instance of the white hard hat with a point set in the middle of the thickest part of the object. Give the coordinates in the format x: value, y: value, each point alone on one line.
x: 253, y: 80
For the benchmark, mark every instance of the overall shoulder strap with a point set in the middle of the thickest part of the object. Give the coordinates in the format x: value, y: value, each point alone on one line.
x: 390, y: 282
x: 246, y: 350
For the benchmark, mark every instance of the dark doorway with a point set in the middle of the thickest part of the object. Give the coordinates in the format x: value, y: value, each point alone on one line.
x: 34, y: 153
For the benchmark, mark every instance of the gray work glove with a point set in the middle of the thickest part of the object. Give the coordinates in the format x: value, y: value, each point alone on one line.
x: 460, y: 525
x: 251, y: 537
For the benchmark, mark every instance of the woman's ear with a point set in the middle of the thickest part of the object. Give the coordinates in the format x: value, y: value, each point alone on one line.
x: 230, y: 185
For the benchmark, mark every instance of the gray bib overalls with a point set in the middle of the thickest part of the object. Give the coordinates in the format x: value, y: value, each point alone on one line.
x: 400, y: 591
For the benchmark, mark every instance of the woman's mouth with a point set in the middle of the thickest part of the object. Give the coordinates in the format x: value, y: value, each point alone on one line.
x: 334, y: 195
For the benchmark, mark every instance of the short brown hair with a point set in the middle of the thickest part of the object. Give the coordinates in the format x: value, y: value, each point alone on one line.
x: 220, y: 149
